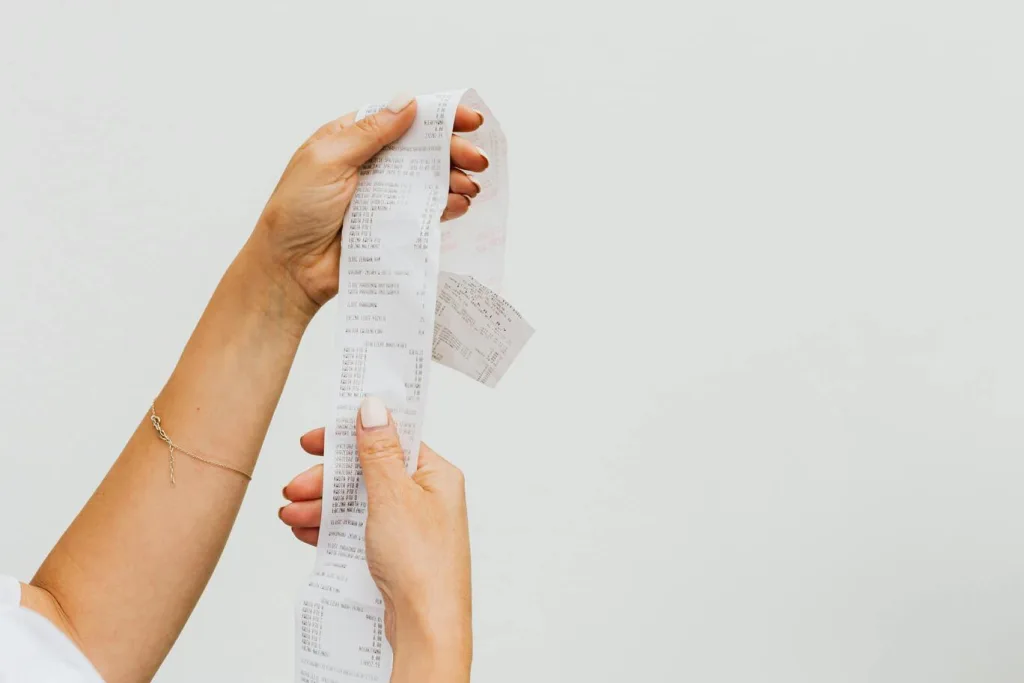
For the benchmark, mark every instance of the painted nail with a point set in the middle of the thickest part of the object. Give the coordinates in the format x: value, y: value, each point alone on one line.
x: 373, y: 413
x: 400, y: 102
x: 484, y: 155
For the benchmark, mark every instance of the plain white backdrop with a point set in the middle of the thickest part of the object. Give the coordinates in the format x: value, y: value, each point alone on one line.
x: 770, y: 426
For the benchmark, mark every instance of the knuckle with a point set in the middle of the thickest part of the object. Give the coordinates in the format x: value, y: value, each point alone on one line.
x: 272, y: 215
x: 329, y: 128
x: 382, y: 449
x: 458, y: 477
x: 320, y: 154
x: 370, y: 126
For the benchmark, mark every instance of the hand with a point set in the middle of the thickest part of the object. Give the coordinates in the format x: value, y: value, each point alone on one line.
x: 299, y: 231
x: 417, y: 545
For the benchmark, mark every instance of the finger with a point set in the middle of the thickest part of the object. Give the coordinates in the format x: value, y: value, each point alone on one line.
x: 302, y: 514
x: 435, y: 474
x: 326, y: 131
x: 354, y: 145
x: 313, y: 441
x: 307, y: 486
x: 310, y: 536
x: 467, y: 120
x: 467, y: 155
x: 333, y: 127
x: 457, y: 205
x: 460, y: 183
x: 428, y: 457
x: 380, y: 451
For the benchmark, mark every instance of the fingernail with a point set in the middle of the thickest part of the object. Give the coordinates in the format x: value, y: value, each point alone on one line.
x: 484, y: 155
x: 481, y: 115
x: 373, y: 413
x: 475, y: 184
x: 400, y: 102
x: 469, y: 200
x: 280, y: 512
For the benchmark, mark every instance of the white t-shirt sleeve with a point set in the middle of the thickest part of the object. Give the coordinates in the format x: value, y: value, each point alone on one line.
x: 32, y: 650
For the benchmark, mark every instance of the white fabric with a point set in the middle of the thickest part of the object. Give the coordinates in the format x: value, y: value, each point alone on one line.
x: 10, y: 591
x: 32, y: 650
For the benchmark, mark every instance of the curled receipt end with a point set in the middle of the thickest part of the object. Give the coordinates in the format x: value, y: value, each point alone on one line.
x: 410, y: 290
x: 476, y: 331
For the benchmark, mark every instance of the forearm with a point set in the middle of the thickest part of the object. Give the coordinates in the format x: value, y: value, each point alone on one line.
x: 131, y: 567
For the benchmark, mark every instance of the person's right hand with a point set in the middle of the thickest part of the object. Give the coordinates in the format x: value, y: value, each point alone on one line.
x: 417, y: 545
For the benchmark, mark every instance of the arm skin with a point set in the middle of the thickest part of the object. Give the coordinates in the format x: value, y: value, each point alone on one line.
x: 125, y: 576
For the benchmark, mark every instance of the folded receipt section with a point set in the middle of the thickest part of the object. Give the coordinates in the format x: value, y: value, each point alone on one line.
x: 409, y: 292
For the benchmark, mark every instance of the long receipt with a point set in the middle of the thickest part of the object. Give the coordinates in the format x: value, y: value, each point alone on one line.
x: 409, y: 292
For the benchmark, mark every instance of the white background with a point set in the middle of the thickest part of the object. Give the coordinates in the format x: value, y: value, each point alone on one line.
x: 770, y: 425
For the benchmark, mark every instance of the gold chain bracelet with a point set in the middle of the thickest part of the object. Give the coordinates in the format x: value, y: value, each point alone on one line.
x: 171, y: 447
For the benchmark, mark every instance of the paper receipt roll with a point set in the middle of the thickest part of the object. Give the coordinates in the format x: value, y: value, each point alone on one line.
x: 391, y: 322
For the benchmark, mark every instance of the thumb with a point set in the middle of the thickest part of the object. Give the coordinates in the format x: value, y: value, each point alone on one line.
x: 380, y: 451
x: 359, y: 142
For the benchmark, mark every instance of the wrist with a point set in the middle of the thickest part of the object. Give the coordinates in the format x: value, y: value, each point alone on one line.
x: 429, y: 649
x: 270, y: 290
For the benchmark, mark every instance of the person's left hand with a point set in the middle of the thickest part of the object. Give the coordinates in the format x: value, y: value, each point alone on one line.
x: 305, y: 493
x: 299, y: 232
